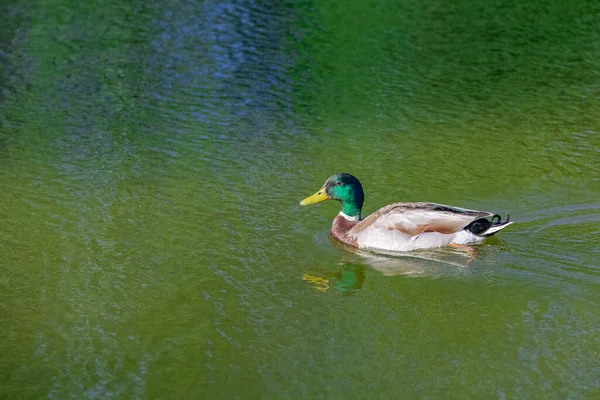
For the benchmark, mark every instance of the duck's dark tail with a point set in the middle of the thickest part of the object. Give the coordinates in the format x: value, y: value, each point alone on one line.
x: 484, y: 227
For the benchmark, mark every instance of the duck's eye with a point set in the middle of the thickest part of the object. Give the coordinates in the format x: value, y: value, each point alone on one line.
x: 338, y: 184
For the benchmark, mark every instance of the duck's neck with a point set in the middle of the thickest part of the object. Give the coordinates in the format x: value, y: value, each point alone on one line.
x: 351, y: 209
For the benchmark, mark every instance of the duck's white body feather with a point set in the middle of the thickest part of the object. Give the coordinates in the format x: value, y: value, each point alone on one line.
x: 411, y: 226
x: 380, y: 239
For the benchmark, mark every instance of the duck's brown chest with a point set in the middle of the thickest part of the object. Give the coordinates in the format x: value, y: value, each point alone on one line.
x: 340, y: 228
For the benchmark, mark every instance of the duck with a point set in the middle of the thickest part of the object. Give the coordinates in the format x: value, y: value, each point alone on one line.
x: 402, y: 227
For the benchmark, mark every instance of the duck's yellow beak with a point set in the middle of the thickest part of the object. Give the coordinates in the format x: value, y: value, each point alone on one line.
x: 318, y: 197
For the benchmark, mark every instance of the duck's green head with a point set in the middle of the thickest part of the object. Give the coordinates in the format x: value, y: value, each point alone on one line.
x: 341, y: 187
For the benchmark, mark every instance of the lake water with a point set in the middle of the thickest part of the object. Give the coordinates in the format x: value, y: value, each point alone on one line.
x: 152, y: 156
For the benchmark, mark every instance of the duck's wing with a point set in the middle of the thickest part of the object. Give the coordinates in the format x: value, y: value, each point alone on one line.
x: 413, y: 219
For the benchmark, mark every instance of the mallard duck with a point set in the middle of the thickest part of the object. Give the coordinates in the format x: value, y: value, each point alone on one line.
x: 402, y: 226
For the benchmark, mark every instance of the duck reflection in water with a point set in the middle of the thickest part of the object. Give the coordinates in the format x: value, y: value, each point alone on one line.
x: 347, y: 280
x: 453, y: 261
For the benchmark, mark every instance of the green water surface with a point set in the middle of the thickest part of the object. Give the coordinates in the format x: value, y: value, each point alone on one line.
x: 152, y: 156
